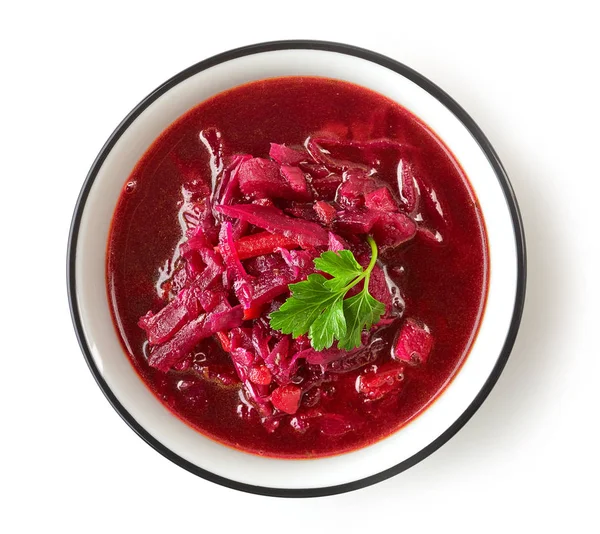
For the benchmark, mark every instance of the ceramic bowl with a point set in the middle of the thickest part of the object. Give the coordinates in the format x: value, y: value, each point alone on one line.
x: 142, y: 410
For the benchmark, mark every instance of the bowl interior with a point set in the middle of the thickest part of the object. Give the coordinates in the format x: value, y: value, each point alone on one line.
x: 92, y: 303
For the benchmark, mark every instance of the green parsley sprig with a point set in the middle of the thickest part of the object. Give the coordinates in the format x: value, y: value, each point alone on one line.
x: 318, y: 306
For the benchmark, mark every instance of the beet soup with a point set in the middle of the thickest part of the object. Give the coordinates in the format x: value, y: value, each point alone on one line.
x: 297, y: 267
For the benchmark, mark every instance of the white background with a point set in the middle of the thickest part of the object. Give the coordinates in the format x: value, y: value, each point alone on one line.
x: 527, y: 72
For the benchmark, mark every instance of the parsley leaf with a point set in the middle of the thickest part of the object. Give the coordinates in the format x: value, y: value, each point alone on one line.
x: 361, y: 311
x: 330, y: 325
x: 342, y: 266
x: 318, y: 307
x: 297, y: 314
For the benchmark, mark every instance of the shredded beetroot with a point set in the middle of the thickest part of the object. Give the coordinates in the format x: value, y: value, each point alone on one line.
x: 214, y: 267
x: 240, y: 253
x: 356, y: 221
x: 297, y: 181
x: 306, y: 234
x: 340, y: 155
x: 271, y: 285
x: 325, y: 211
x: 326, y: 184
x: 381, y: 199
x: 287, y: 156
x: 242, y: 285
x: 162, y: 326
x: 169, y: 353
x: 357, y: 184
x: 261, y: 178
x: 393, y: 229
x: 229, y: 183
x: 336, y: 243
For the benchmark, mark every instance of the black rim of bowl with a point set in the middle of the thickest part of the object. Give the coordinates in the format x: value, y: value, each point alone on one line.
x: 485, y: 146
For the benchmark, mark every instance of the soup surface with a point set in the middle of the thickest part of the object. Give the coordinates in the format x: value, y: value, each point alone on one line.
x: 233, y: 203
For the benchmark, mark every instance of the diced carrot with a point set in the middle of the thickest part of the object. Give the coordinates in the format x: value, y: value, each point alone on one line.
x: 260, y: 375
x: 224, y: 339
x: 253, y: 312
x: 262, y: 243
x: 287, y: 398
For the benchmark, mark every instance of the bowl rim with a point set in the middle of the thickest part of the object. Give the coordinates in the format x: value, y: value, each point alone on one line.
x: 434, y: 91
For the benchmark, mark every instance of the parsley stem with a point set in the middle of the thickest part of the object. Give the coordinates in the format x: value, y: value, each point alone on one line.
x: 366, y: 274
x: 371, y: 242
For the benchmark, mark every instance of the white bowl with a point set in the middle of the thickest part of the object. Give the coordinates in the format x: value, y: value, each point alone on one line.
x: 144, y: 412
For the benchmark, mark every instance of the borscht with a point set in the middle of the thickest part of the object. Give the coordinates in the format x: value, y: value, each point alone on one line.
x: 297, y: 267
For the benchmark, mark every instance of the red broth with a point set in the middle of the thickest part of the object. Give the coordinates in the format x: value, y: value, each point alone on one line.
x: 439, y: 277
